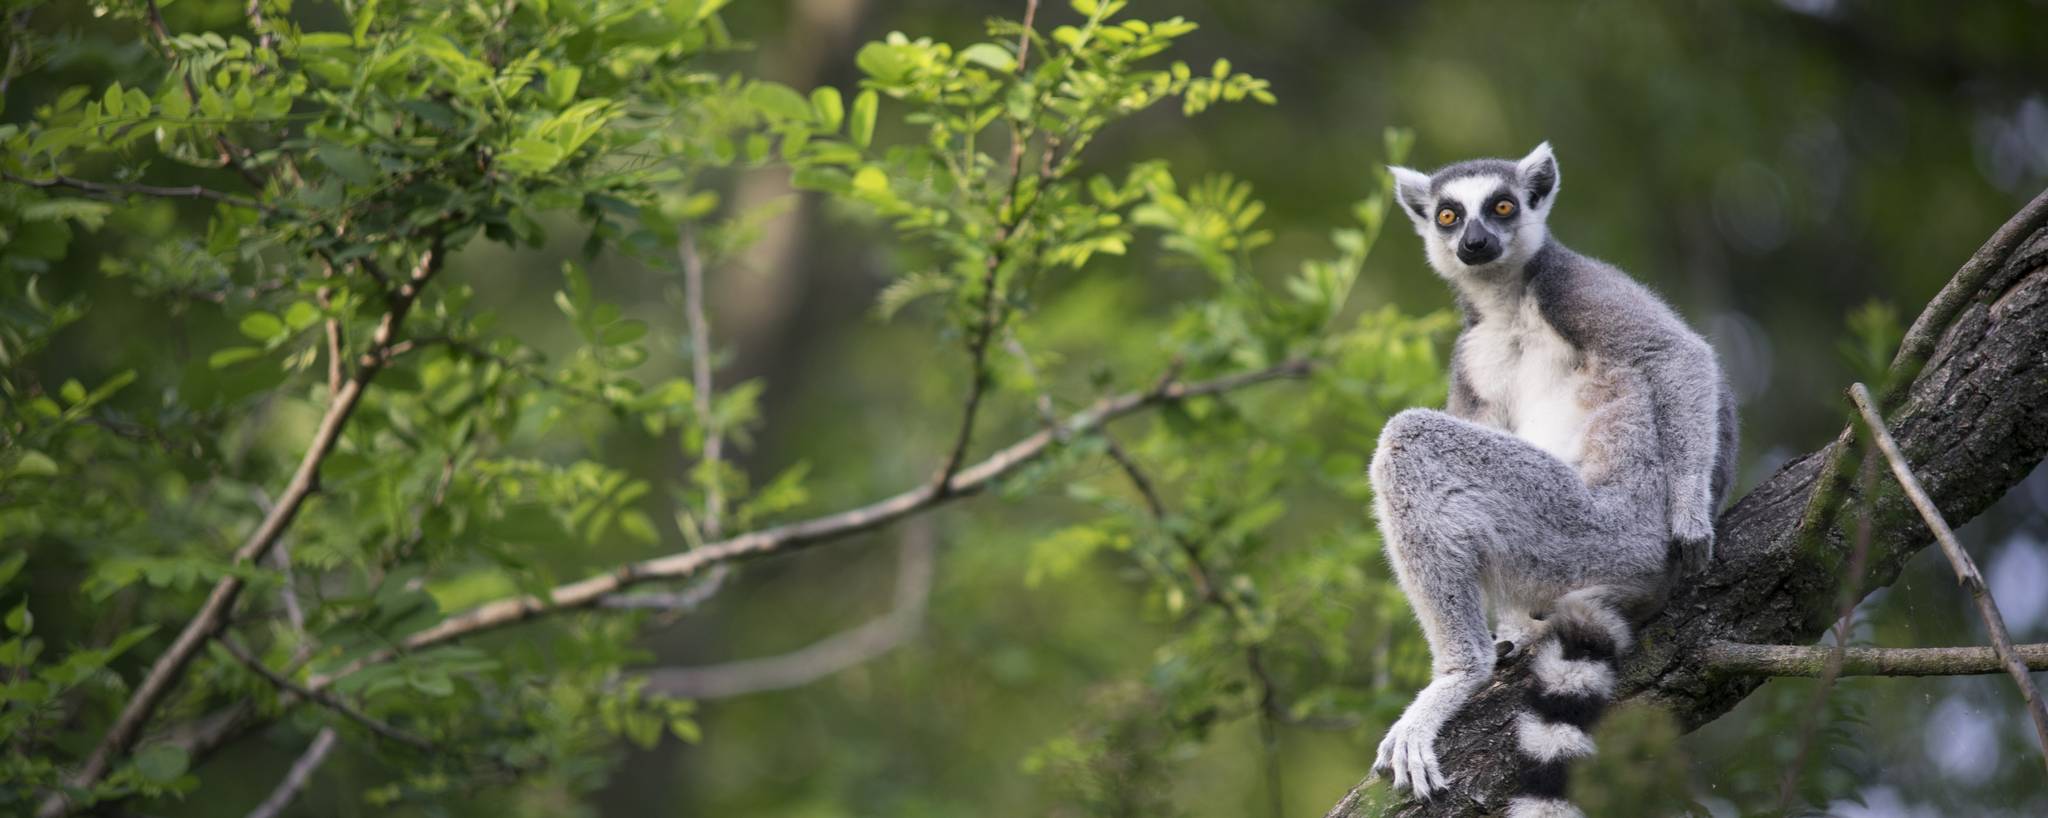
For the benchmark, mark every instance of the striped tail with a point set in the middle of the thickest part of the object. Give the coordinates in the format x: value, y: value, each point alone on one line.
x: 1575, y: 680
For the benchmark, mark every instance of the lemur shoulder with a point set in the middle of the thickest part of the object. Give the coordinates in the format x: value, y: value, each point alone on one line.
x: 1588, y: 440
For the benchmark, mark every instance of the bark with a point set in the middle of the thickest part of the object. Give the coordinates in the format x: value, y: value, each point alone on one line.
x: 1973, y: 424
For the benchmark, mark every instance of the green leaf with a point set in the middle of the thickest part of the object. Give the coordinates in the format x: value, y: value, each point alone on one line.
x: 113, y: 100
x: 161, y: 763
x: 624, y: 332
x: 346, y: 162
x: 72, y: 392
x: 779, y: 101
x: 301, y: 314
x: 991, y: 56
x: 261, y: 326
x: 828, y: 108
x: 871, y: 180
x: 862, y: 128
x: 20, y: 620
x: 89, y: 214
x: 11, y: 566
x: 34, y: 464
x: 231, y: 356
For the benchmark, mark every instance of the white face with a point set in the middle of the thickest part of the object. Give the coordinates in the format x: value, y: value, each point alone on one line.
x: 1478, y: 220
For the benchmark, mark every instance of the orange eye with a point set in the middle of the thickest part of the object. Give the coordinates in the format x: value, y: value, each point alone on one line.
x: 1504, y: 208
x: 1446, y: 217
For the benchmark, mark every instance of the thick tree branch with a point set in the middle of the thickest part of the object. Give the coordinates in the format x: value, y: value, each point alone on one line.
x: 1972, y: 421
x: 1965, y: 568
x: 1811, y: 660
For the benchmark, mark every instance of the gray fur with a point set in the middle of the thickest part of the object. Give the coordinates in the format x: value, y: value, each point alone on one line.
x: 1588, y: 442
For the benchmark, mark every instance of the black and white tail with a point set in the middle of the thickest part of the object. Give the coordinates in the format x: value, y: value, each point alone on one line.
x: 1575, y: 679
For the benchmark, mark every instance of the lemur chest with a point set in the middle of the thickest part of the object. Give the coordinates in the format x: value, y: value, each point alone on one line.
x: 1531, y: 380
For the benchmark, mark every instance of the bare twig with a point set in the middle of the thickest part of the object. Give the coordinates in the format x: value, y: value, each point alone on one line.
x: 1965, y: 568
x: 1812, y: 660
x: 301, y: 771
x: 1918, y: 343
x: 828, y: 656
x: 169, y: 668
x: 713, y: 525
x: 592, y: 591
x: 322, y: 698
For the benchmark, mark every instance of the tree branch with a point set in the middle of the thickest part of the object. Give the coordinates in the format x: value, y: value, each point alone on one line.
x: 790, y: 537
x: 302, y: 769
x: 825, y: 657
x: 322, y: 698
x: 1965, y: 568
x: 1973, y: 421
x: 158, y: 191
x: 1811, y: 660
x: 169, y: 668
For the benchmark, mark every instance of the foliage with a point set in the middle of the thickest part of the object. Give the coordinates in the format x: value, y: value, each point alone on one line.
x: 294, y: 189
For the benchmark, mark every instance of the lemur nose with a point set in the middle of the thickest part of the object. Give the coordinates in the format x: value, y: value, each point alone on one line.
x: 1473, y: 242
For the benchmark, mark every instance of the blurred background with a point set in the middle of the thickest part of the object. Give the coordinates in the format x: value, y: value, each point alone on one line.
x: 1771, y: 167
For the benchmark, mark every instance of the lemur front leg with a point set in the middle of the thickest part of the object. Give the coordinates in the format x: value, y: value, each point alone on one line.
x: 1435, y: 528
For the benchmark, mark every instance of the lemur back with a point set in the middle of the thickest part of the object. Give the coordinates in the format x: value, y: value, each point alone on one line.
x: 1589, y: 437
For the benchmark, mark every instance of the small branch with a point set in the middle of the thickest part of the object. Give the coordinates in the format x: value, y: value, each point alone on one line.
x: 991, y: 296
x: 1965, y: 568
x: 1812, y: 660
x: 828, y: 656
x: 302, y: 770
x: 592, y: 591
x: 696, y: 316
x: 1918, y: 344
x: 159, y: 191
x: 322, y: 698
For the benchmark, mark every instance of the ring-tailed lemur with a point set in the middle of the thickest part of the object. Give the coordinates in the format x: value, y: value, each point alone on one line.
x: 1589, y: 439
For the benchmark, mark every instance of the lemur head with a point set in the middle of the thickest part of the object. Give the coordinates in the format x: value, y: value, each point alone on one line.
x: 1483, y: 215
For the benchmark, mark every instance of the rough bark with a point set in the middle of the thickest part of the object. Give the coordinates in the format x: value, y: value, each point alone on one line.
x: 1973, y: 423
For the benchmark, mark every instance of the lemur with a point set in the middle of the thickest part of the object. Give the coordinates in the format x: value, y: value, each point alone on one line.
x: 1574, y: 475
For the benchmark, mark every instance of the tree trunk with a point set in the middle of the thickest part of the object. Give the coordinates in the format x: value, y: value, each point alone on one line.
x: 1973, y: 424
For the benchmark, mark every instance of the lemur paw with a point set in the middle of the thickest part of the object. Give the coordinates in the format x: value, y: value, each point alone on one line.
x: 1408, y: 756
x: 1693, y: 538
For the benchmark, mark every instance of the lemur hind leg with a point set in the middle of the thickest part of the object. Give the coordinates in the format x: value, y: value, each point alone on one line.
x: 1459, y: 502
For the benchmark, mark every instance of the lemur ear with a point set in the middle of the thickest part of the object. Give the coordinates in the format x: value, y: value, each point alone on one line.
x: 1411, y: 189
x: 1538, y: 172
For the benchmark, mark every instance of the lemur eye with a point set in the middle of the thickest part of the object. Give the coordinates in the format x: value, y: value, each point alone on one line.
x: 1504, y: 207
x: 1446, y: 217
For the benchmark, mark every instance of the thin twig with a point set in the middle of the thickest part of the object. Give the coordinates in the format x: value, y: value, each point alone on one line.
x: 1851, y: 592
x: 1958, y: 559
x: 124, y: 189
x: 696, y: 316
x: 782, y: 539
x: 1812, y: 660
x: 301, y: 771
x: 323, y: 698
x: 831, y: 655
x: 991, y: 295
x: 169, y: 668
